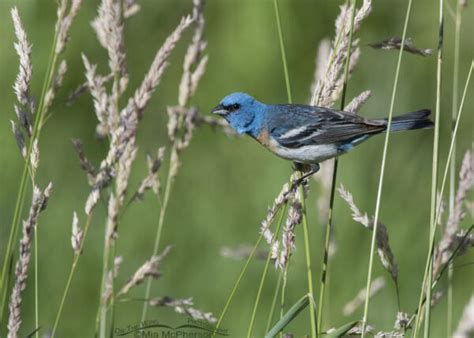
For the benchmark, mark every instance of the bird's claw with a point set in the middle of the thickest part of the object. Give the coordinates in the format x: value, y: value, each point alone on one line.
x: 314, y: 168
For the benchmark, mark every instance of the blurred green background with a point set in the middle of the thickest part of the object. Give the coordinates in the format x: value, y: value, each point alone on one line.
x: 226, y: 184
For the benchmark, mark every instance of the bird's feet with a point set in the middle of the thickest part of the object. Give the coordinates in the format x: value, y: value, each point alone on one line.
x: 307, y: 169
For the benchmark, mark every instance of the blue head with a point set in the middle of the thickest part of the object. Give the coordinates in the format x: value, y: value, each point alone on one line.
x: 242, y: 111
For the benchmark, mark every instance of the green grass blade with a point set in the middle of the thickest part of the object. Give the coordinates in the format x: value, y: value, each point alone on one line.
x: 291, y: 314
x: 434, y: 172
x: 340, y: 331
x: 159, y: 229
x: 264, y: 274
x: 452, y: 174
x: 325, y: 265
x: 282, y: 49
x: 301, y: 190
x: 237, y: 283
x: 450, y: 153
x: 274, y: 301
x: 382, y: 170
x: 71, y: 275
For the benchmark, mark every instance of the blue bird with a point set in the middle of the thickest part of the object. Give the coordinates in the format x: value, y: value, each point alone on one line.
x: 308, y: 135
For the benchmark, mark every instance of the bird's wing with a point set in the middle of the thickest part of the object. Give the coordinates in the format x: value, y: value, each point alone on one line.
x: 294, y: 126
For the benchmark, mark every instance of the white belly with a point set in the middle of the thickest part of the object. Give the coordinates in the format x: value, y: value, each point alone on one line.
x: 306, y: 154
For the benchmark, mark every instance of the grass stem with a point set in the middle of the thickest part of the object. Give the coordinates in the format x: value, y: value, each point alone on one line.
x: 307, y: 251
x: 434, y: 172
x: 452, y: 173
x: 301, y: 190
x: 14, y: 228
x: 274, y: 301
x: 283, y: 295
x: 435, y: 219
x: 264, y: 274
x: 325, y: 265
x: 36, y: 285
x: 282, y: 50
x: 237, y: 283
x: 382, y: 171
x: 161, y: 220
x: 71, y: 274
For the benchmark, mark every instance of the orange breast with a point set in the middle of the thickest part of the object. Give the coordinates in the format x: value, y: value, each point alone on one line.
x: 263, y: 138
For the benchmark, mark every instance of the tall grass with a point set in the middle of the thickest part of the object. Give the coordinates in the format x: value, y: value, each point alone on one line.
x: 307, y: 247
x: 382, y: 171
x: 434, y: 174
x: 61, y: 34
x: 452, y: 172
x: 328, y: 230
x: 120, y: 111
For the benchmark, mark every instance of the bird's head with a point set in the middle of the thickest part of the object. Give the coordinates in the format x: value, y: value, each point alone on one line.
x: 241, y: 110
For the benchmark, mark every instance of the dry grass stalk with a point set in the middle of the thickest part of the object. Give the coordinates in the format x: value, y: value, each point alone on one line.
x: 149, y: 269
x: 57, y: 82
x: 130, y: 8
x: 34, y: 156
x: 401, y: 323
x: 84, y: 162
x: 321, y: 63
x: 383, y: 246
x: 22, y: 85
x: 24, y: 119
x: 436, y: 297
x: 442, y: 207
x: 288, y: 191
x: 109, y: 280
x: 451, y: 237
x: 294, y: 217
x: 152, y: 78
x: 77, y: 235
x: 63, y: 24
x: 241, y: 252
x: 327, y: 87
x: 354, y: 331
x: 123, y: 136
x: 20, y: 139
x: 357, y: 330
x: 324, y: 176
x: 391, y: 334
x: 38, y: 204
x: 184, y: 306
x: 181, y: 125
x: 182, y: 120
x: 152, y: 180
x: 96, y: 87
x: 91, y: 201
x: 194, y: 62
x: 27, y: 106
x: 23, y: 79
x: 108, y: 26
x: 395, y: 43
x: 83, y: 87
x: 465, y: 327
x: 351, y: 307
x: 358, y: 101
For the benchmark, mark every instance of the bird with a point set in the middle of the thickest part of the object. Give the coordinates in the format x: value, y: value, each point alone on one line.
x: 305, y: 134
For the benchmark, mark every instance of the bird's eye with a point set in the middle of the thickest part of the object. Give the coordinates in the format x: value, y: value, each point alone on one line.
x: 235, y: 106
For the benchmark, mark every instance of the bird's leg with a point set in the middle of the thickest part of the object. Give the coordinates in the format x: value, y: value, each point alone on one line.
x: 313, y: 169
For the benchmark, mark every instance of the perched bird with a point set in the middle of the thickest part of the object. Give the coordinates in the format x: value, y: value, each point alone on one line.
x: 306, y: 134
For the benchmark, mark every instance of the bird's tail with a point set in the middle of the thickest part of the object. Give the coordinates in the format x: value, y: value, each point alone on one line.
x: 415, y: 120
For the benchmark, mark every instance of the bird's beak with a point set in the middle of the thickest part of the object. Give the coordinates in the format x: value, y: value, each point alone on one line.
x: 219, y: 110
